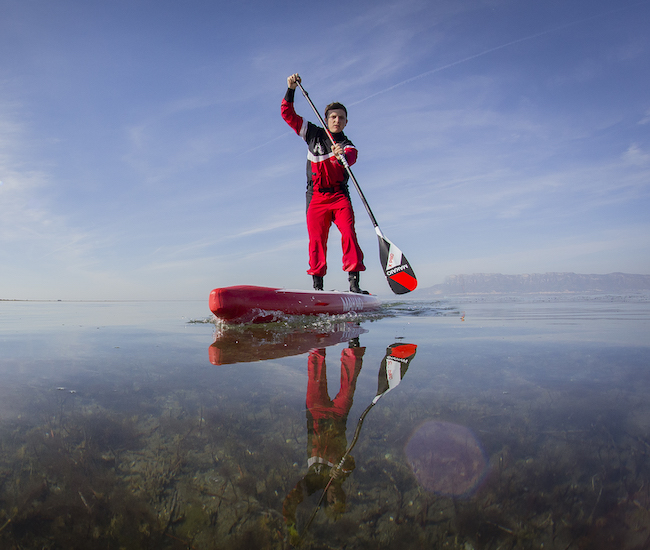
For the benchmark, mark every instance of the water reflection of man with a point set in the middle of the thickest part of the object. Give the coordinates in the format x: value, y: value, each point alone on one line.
x: 326, y: 441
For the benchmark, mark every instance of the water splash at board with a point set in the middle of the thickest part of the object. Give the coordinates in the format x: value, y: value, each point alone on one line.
x: 403, y: 308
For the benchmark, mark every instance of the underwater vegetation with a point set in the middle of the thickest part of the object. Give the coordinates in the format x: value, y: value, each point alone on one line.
x: 192, y: 469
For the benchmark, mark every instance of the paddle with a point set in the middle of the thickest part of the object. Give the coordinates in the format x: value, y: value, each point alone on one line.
x: 398, y: 271
x: 393, y: 368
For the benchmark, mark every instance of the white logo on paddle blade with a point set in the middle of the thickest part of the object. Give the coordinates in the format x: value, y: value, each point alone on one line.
x: 394, y: 256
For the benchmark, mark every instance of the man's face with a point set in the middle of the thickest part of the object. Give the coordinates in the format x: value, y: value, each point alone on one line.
x: 336, y: 120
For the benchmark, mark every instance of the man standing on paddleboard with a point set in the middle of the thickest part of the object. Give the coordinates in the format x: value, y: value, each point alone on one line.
x: 328, y: 196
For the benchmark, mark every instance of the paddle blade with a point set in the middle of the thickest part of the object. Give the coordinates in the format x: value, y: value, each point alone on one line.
x: 398, y: 271
x: 394, y: 367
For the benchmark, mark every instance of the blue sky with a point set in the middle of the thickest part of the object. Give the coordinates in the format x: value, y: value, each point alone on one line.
x: 143, y: 156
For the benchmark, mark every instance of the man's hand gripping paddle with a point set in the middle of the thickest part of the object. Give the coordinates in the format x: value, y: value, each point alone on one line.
x: 393, y: 368
x: 398, y: 271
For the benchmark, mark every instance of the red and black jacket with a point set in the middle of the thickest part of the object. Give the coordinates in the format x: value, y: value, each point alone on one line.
x: 325, y: 174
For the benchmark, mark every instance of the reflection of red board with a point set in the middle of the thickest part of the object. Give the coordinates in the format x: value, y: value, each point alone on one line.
x: 260, y: 344
x: 257, y: 304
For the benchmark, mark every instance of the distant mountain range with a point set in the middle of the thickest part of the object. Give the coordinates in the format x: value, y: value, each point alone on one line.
x: 497, y: 283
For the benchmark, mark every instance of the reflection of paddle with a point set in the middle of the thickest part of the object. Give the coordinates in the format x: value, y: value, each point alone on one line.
x: 392, y: 370
x: 398, y: 271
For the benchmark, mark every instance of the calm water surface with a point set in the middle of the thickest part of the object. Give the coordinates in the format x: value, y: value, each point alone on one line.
x: 518, y: 423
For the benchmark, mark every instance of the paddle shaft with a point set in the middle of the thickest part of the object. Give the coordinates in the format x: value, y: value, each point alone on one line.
x: 343, y: 161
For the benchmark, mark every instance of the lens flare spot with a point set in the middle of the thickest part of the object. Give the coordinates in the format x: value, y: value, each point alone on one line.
x: 446, y: 458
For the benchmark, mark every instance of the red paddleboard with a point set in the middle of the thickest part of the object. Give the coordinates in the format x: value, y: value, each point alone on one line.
x: 258, y: 304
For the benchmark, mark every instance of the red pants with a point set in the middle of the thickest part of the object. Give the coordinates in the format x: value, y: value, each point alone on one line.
x: 323, y: 209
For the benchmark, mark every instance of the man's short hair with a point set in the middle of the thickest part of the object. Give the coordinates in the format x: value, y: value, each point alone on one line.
x: 335, y: 105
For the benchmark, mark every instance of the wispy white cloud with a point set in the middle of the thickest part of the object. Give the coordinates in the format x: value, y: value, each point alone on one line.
x: 37, y: 241
x: 293, y: 219
x: 646, y: 118
x: 23, y: 193
x: 636, y: 155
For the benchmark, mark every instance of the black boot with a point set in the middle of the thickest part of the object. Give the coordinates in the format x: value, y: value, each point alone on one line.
x: 353, y: 277
x: 318, y: 282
